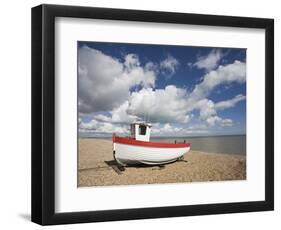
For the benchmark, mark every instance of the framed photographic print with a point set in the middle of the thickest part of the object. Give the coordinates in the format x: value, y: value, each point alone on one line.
x: 141, y: 114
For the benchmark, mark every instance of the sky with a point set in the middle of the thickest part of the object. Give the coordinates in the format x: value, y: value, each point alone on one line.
x: 180, y: 90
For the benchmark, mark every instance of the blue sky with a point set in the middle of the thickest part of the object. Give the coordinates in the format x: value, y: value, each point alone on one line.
x: 181, y: 90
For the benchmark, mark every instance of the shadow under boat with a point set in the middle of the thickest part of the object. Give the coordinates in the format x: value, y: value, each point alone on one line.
x: 119, y: 169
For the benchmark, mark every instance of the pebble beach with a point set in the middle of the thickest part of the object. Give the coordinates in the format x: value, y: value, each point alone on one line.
x: 96, y: 167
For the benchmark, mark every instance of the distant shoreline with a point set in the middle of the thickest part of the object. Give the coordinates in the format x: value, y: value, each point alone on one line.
x: 166, y: 137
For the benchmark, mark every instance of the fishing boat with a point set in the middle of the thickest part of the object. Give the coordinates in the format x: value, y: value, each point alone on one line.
x: 138, y: 149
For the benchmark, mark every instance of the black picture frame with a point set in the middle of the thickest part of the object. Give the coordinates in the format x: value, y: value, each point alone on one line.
x: 43, y: 114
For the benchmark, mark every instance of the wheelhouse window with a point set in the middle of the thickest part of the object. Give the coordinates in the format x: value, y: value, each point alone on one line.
x: 142, y: 129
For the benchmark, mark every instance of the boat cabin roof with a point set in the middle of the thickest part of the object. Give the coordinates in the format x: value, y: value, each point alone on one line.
x: 141, y: 123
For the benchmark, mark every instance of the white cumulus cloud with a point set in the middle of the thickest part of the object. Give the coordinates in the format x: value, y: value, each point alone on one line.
x: 105, y: 82
x: 160, y: 105
x: 118, y: 115
x: 155, y: 105
x: 235, y: 72
x: 208, y: 110
x: 210, y: 61
x: 227, y: 122
x: 98, y: 127
x: 169, y: 65
x: 229, y: 103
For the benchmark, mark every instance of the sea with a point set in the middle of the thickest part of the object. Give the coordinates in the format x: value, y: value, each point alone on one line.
x: 230, y: 144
